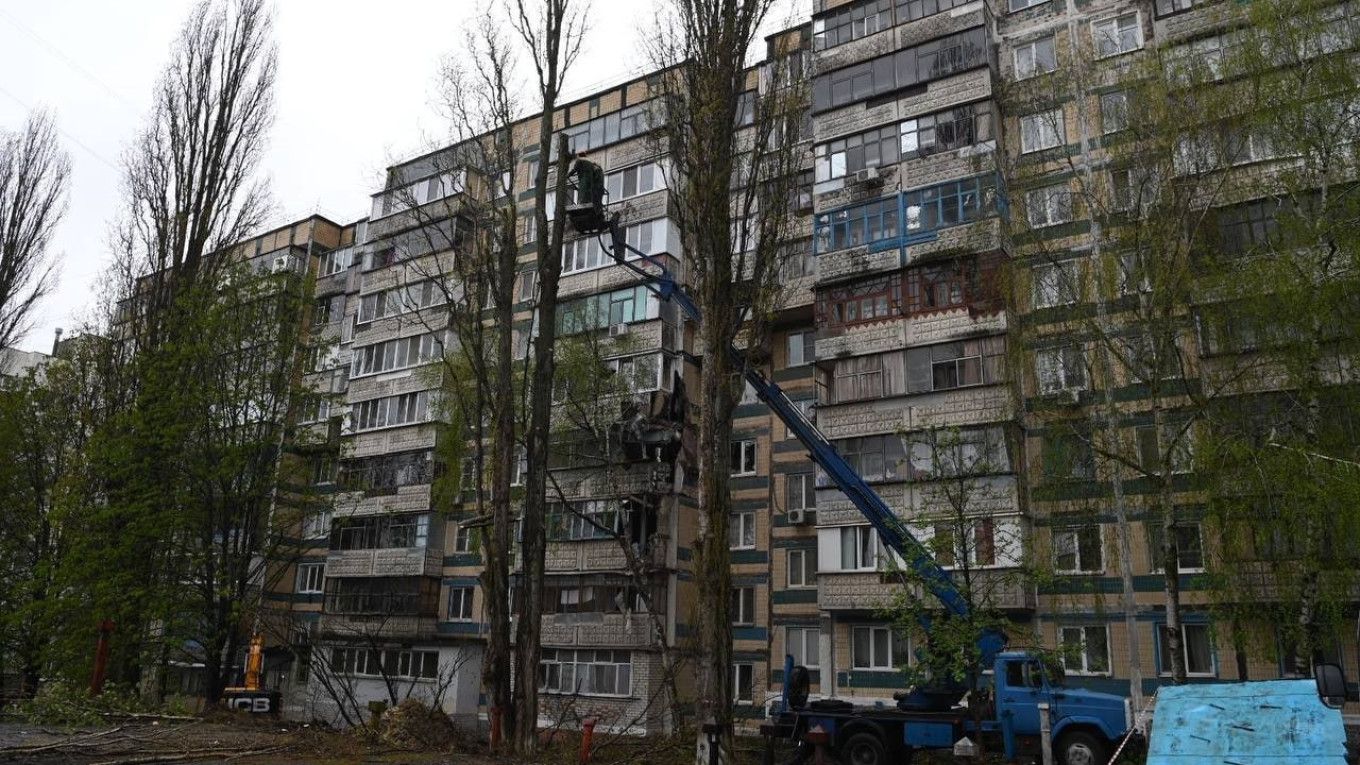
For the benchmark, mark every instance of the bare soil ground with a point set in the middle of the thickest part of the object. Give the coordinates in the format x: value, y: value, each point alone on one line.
x: 246, y: 742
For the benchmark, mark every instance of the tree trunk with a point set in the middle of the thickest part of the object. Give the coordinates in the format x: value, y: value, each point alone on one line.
x: 1171, y: 572
x: 534, y: 528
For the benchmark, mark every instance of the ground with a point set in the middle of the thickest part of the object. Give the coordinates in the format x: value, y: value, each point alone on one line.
x: 133, y: 742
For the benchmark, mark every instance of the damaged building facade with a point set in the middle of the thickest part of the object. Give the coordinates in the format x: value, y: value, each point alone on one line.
x: 929, y: 191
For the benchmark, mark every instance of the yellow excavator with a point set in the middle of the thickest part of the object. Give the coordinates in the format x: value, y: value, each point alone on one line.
x: 251, y: 697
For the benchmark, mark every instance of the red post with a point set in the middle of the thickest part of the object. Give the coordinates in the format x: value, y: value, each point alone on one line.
x: 101, y: 658
x: 587, y: 733
x: 495, y: 714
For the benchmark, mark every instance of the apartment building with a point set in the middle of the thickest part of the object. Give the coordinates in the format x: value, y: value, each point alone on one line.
x: 936, y: 194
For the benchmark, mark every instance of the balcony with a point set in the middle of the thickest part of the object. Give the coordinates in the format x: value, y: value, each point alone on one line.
x: 894, y: 334
x: 395, y: 561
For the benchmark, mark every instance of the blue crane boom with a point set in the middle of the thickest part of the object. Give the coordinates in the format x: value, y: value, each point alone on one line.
x: 891, y: 530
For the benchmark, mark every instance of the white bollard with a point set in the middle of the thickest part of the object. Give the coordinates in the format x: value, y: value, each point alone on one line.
x: 1045, y: 734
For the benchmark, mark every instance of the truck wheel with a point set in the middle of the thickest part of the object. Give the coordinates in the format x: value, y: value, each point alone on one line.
x: 1078, y: 747
x: 863, y: 749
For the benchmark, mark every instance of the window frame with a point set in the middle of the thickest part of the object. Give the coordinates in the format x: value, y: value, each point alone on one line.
x: 1046, y: 124
x: 466, y: 596
x: 1057, y: 206
x: 1097, y: 36
x: 1079, y: 559
x: 806, y: 485
x: 811, y: 659
x: 1033, y: 47
x: 1083, y: 651
x: 743, y: 606
x: 743, y: 692
x: 303, y: 579
x: 807, y: 565
x: 742, y: 526
x: 745, y: 445
x: 894, y: 643
x: 1069, y: 271
x: 1164, y: 664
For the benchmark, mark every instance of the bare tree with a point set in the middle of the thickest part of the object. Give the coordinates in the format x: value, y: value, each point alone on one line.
x: 189, y: 179
x: 34, y: 173
x: 551, y: 31
x: 729, y: 189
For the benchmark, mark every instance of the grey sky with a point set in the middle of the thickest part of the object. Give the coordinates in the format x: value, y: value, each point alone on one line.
x: 356, y: 91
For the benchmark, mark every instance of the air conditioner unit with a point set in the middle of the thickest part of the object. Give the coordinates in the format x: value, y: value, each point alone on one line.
x: 867, y: 176
x: 618, y: 330
x: 797, y: 516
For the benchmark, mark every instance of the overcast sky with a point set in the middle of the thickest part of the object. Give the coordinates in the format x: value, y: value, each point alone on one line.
x: 356, y: 92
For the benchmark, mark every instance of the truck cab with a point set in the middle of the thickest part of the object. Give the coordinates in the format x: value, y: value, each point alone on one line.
x: 1084, y: 725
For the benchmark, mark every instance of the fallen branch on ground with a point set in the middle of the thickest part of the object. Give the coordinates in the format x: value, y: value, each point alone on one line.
x: 79, y: 740
x: 229, y: 754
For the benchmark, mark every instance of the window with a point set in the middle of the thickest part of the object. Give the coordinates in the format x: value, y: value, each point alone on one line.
x: 528, y: 284
x: 874, y: 299
x: 336, y: 261
x: 1020, y: 5
x: 742, y: 459
x: 586, y: 254
x: 1121, y: 34
x: 873, y: 457
x: 974, y: 541
x: 390, y: 471
x: 803, y: 644
x: 846, y: 156
x: 807, y: 408
x: 460, y: 604
x: 876, y: 648
x: 1035, y: 57
x: 1068, y: 457
x: 1077, y: 549
x: 1178, y: 447
x: 1169, y: 7
x: 1197, y: 646
x: 800, y: 491
x: 380, y: 532
x: 851, y: 23
x: 946, y: 130
x: 868, y: 223
x: 741, y: 531
x: 911, y: 10
x: 328, y: 310
x: 607, y: 309
x: 1114, y: 112
x: 316, y: 525
x: 601, y: 131
x: 943, y: 286
x: 966, y: 451
x: 748, y: 395
x: 1189, y: 546
x: 396, y: 354
x: 743, y: 682
x: 586, y: 672
x: 801, y: 348
x: 1055, y: 284
x: 390, y: 411
x: 859, y: 548
x: 1060, y: 369
x: 947, y: 366
x: 1041, y: 131
x: 634, y: 181
x: 743, y: 605
x: 1132, y: 276
x: 585, y: 520
x: 802, y: 568
x: 913, y: 66
x: 1244, y: 227
x: 464, y: 539
x: 1085, y: 650
x: 1048, y: 206
x: 311, y: 578
x: 1133, y: 189
x: 416, y: 665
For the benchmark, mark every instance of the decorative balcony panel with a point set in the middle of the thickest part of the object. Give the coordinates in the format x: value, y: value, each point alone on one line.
x: 976, y: 237
x: 964, y: 406
x: 871, y: 591
x: 362, y: 628
x: 833, y: 509
x: 853, y: 262
x: 863, y: 418
x: 405, y: 499
x: 395, y: 561
x: 602, y: 555
x: 397, y: 439
x: 393, y: 383
x: 616, y: 481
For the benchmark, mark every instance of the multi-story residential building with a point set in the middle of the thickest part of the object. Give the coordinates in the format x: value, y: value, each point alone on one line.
x: 896, y: 331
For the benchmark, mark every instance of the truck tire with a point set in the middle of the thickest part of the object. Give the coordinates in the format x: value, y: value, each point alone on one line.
x: 1079, y: 747
x: 863, y: 748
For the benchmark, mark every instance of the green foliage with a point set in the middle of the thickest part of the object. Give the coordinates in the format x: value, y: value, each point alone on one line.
x: 64, y: 702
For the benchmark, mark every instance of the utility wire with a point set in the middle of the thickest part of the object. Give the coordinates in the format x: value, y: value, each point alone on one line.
x: 111, y: 165
x: 72, y: 63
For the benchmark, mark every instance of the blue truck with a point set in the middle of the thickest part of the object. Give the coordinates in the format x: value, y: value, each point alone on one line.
x: 1084, y: 724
